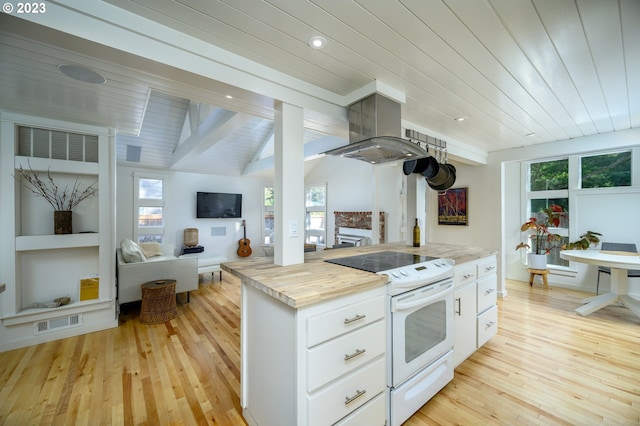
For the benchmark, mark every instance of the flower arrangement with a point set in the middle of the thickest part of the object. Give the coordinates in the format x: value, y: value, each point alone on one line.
x: 61, y: 199
x: 543, y: 240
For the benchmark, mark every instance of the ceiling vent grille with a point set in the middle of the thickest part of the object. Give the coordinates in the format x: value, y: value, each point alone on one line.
x: 57, y: 324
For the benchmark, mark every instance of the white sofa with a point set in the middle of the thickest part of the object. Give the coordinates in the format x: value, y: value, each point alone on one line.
x: 166, y: 266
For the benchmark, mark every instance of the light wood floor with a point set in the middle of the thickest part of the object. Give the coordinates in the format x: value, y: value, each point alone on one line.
x: 547, y: 365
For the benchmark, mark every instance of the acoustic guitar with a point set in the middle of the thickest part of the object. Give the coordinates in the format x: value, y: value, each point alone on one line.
x: 244, y: 250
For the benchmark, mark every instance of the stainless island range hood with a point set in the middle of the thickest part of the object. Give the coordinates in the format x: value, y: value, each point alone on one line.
x: 374, y: 133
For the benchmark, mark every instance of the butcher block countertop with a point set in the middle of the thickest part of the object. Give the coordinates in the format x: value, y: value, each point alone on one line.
x: 317, y: 281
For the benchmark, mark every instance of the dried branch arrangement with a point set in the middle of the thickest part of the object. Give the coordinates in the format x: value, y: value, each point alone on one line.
x: 60, y: 199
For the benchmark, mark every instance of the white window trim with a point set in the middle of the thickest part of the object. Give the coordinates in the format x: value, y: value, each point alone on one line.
x: 528, y: 195
x: 137, y: 203
x: 266, y: 209
x: 322, y: 209
x: 574, y: 190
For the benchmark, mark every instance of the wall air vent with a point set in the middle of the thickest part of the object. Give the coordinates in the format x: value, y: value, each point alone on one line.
x: 133, y: 153
x: 56, y: 324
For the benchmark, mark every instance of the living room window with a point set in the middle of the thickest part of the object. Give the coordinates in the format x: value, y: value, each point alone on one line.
x: 268, y: 216
x: 316, y: 215
x: 149, y: 209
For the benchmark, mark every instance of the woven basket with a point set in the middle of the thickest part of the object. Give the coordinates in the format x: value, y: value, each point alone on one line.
x: 158, y: 302
x: 191, y: 237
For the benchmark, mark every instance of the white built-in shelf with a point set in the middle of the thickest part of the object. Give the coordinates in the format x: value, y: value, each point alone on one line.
x: 56, y: 166
x: 48, y: 242
x: 39, y: 314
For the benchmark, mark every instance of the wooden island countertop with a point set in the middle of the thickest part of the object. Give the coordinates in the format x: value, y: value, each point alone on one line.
x: 316, y: 281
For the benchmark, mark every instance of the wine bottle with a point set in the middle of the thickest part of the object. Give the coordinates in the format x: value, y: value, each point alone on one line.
x: 416, y: 234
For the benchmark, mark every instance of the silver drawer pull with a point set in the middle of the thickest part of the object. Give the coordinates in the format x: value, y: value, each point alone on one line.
x: 491, y: 290
x: 467, y: 276
x: 348, y: 400
x: 358, y: 352
x: 489, y: 268
x: 490, y: 324
x: 356, y: 318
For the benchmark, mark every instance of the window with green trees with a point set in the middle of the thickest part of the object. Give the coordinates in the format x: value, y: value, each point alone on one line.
x: 606, y: 170
x: 548, y: 184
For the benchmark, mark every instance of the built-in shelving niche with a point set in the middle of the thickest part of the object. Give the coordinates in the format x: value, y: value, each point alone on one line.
x: 48, y: 266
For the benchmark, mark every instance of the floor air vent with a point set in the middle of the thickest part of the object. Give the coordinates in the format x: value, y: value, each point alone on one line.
x: 55, y: 324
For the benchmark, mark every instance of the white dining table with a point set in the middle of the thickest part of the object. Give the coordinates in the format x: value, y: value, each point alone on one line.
x: 619, y: 262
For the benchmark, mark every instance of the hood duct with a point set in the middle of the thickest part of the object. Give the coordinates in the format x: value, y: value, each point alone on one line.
x: 374, y: 133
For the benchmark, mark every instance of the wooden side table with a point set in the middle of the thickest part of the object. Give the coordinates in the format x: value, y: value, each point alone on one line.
x: 542, y: 272
x: 158, y: 302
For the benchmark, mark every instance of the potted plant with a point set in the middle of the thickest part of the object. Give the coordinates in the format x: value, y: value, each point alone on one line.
x: 541, y: 238
x: 63, y: 200
x: 586, y: 240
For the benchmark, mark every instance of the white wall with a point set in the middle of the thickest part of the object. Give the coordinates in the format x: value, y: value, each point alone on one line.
x: 479, y: 210
x: 180, y: 209
x: 351, y: 186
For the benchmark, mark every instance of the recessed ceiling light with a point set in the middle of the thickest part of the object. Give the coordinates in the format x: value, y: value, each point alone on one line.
x: 459, y: 119
x: 80, y: 73
x: 530, y: 134
x: 317, y: 42
x: 228, y: 96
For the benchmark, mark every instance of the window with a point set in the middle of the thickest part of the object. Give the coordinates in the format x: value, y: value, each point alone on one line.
x: 149, y: 209
x: 268, y: 216
x: 315, y: 214
x: 606, y: 170
x: 559, y: 180
x: 548, y: 183
x: 549, y: 175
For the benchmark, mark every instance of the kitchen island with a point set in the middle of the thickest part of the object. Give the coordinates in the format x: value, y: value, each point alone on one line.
x: 313, y: 336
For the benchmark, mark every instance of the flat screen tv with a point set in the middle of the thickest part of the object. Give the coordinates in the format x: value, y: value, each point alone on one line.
x: 217, y: 205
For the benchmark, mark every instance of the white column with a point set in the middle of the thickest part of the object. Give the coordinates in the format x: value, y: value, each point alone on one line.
x: 289, y: 184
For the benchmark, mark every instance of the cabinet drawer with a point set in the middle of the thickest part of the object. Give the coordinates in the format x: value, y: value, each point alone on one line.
x: 487, y: 292
x: 373, y: 413
x: 487, y: 325
x: 465, y: 274
x: 346, y: 395
x: 337, y: 357
x: 323, y: 327
x: 487, y: 266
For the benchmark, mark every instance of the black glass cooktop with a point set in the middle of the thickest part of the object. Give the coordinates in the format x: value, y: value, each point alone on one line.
x: 380, y: 261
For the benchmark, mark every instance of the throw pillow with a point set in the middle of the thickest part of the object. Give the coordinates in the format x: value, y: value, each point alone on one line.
x: 132, y: 252
x: 151, y: 249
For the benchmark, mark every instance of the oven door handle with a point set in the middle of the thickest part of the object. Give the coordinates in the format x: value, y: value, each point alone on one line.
x: 402, y: 306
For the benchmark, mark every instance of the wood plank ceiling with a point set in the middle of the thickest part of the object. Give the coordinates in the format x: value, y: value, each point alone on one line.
x: 552, y: 70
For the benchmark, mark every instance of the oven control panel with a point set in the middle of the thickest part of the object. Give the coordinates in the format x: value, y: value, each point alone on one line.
x: 419, y: 274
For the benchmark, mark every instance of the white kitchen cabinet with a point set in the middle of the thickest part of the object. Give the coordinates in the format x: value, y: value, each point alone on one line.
x: 475, y: 296
x: 464, y: 308
x: 38, y: 265
x: 487, y: 325
x: 316, y: 365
